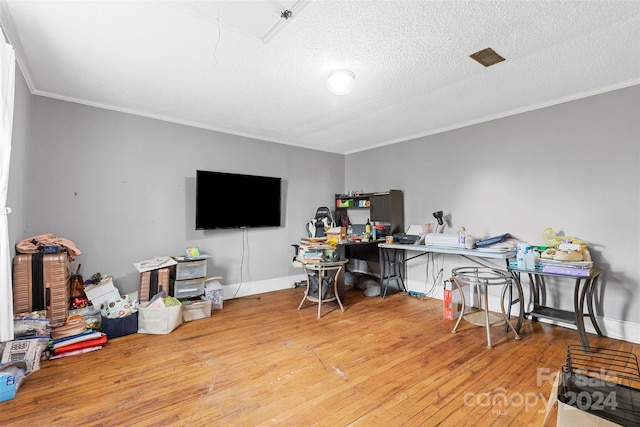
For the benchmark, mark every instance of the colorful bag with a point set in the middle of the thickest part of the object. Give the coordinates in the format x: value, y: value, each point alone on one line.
x: 37, y: 243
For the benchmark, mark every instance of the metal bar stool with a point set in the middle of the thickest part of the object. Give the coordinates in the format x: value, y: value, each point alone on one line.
x: 481, y: 278
x: 326, y: 272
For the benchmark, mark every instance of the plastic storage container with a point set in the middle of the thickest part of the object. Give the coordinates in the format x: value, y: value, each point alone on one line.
x: 190, y: 269
x: 187, y: 288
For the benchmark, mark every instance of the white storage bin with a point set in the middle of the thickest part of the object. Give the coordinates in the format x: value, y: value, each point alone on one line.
x: 158, y: 320
x: 194, y: 310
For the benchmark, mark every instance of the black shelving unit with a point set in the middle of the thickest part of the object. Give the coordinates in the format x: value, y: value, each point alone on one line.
x: 385, y: 207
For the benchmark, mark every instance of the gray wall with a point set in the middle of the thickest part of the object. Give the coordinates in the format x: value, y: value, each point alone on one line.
x: 573, y: 167
x: 122, y: 187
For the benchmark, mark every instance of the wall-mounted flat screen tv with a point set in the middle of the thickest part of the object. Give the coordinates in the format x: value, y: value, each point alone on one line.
x: 230, y: 200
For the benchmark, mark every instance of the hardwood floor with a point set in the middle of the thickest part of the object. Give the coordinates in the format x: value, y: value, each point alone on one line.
x: 259, y: 362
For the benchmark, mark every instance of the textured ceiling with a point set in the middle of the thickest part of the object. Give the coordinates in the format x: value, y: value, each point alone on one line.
x: 238, y: 67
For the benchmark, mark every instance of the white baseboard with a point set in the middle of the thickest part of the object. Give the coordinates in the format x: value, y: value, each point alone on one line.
x: 237, y: 290
x: 612, y: 328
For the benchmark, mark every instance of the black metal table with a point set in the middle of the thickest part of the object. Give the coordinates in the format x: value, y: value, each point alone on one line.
x: 584, y: 289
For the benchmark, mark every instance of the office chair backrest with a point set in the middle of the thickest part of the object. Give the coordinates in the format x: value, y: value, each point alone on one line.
x: 322, y: 219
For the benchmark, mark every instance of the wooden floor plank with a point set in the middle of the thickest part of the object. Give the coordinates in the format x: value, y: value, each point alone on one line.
x: 261, y: 362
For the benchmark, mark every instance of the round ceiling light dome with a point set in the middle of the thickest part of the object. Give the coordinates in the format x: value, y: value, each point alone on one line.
x: 341, y: 82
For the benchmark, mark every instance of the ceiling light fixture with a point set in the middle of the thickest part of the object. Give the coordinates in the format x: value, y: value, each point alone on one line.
x: 341, y: 82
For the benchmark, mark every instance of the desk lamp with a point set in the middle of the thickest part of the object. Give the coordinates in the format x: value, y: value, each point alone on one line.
x: 438, y: 215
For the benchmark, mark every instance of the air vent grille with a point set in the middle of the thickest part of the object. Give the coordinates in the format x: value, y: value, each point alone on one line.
x: 487, y: 57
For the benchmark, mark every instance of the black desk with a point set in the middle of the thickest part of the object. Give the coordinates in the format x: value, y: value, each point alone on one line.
x: 357, y: 251
x: 584, y: 289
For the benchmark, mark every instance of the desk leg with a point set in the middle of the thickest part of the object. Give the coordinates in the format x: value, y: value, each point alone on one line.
x: 391, y: 266
x: 578, y: 301
x: 383, y: 265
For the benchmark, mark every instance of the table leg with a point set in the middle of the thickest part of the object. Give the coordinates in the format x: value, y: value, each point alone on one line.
x: 463, y: 308
x: 578, y: 301
x: 335, y: 284
x: 520, y: 314
x: 486, y: 314
x: 590, y: 293
x: 538, y: 289
x: 320, y: 280
x: 306, y: 291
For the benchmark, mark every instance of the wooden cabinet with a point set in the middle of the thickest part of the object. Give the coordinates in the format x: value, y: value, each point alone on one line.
x: 385, y: 207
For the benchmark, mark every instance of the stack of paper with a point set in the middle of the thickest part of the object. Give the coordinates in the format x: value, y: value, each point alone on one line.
x: 569, y: 268
x: 312, y: 249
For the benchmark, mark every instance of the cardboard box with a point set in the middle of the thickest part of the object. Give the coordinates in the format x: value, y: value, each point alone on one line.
x: 338, y: 232
x: 344, y: 203
x: 101, y: 292
x: 194, y: 310
x: 120, y: 326
x: 567, y: 415
x: 571, y: 416
x: 451, y: 303
x: 158, y: 320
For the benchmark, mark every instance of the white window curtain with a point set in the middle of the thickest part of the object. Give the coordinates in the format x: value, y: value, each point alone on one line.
x: 7, y: 92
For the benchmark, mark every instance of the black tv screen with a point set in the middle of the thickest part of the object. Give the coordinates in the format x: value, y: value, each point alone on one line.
x: 229, y: 200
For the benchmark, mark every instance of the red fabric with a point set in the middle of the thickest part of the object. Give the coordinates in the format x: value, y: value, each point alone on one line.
x: 80, y: 345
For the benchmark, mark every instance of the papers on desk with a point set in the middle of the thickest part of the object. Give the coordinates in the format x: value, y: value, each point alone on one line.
x: 415, y: 230
x: 441, y: 240
x: 571, y: 268
x: 500, y: 247
x: 494, y: 250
